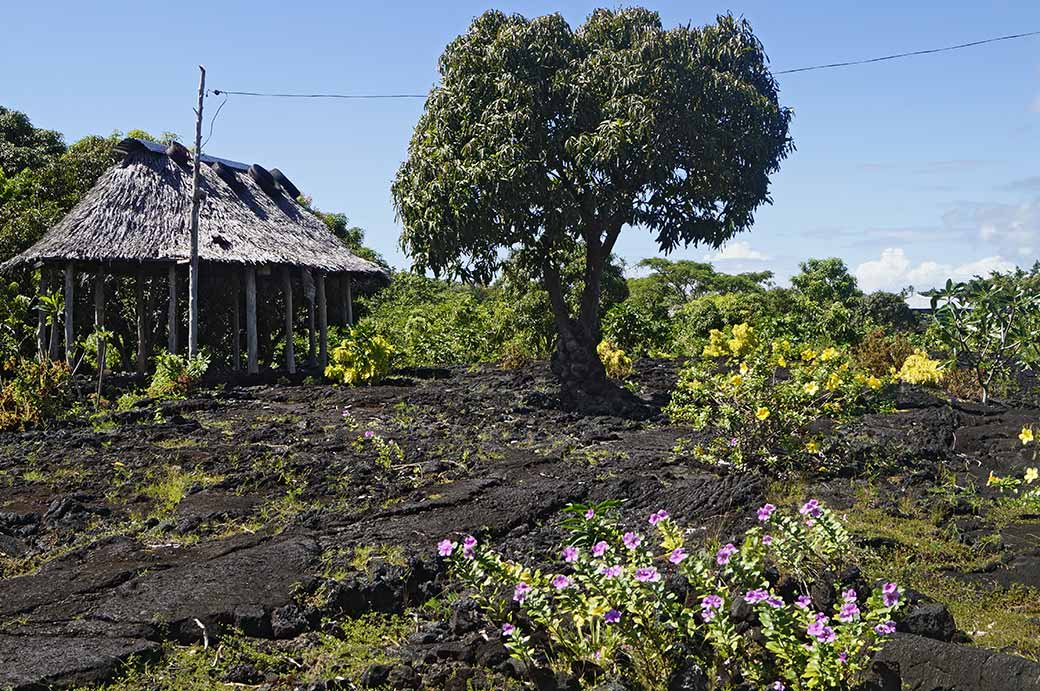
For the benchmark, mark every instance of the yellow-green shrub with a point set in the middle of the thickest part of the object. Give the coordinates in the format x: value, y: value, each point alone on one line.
x: 760, y: 397
x: 615, y: 361
x: 362, y: 358
x: 918, y: 368
x: 33, y: 392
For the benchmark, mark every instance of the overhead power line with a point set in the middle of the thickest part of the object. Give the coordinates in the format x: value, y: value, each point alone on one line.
x: 828, y: 66
x: 909, y: 54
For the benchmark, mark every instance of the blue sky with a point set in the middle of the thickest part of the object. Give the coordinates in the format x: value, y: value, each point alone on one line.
x: 909, y: 170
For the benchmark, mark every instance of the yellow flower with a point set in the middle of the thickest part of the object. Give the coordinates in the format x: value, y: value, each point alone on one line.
x: 811, y: 388
x: 762, y: 413
x: 808, y: 354
x: 1026, y: 435
x: 992, y: 479
x: 860, y: 378
x: 118, y: 464
x: 736, y: 380
x: 833, y: 382
x: 1031, y: 475
x: 744, y: 368
x: 811, y: 446
x: 828, y: 354
x: 874, y: 382
x: 781, y: 361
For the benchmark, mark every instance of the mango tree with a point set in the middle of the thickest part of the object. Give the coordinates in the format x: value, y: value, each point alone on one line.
x: 540, y: 137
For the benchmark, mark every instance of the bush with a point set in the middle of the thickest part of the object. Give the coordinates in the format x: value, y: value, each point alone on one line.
x: 882, y: 354
x: 175, y: 375
x: 888, y: 310
x: 362, y: 358
x: 760, y: 397
x: 1026, y: 489
x: 920, y: 369
x: 617, y: 364
x: 33, y: 392
x: 636, y: 329
x: 748, y: 619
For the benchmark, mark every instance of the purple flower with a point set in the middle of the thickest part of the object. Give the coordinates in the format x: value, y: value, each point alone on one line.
x: 778, y: 686
x: 468, y: 545
x: 849, y: 595
x: 369, y: 434
x: 722, y: 557
x: 767, y: 540
x: 589, y: 514
x: 445, y: 548
x: 520, y: 591
x: 561, y: 582
x: 775, y: 602
x: 733, y: 441
x: 570, y: 554
x: 599, y: 548
x: 611, y: 571
x: 677, y: 556
x: 765, y: 512
x: 612, y: 617
x: 843, y: 657
x: 631, y: 540
x: 756, y: 595
x: 885, y: 628
x: 849, y: 612
x: 709, y: 606
x: 803, y: 602
x: 508, y: 629
x: 811, y: 508
x: 890, y: 594
x: 656, y: 518
x: 647, y: 574
x: 821, y: 632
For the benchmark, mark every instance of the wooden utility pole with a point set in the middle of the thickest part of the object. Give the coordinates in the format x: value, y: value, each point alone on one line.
x: 193, y: 268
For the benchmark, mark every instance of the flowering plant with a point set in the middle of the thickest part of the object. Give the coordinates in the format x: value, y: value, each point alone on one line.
x: 623, y: 605
x: 615, y: 361
x: 918, y: 368
x: 1026, y: 488
x: 761, y: 397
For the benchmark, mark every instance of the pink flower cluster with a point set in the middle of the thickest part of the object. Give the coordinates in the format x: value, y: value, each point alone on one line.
x: 710, y: 605
x: 656, y: 518
x: 819, y: 629
x: 725, y: 553
x: 890, y: 594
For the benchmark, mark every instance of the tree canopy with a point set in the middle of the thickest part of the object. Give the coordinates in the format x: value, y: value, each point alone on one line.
x: 540, y: 136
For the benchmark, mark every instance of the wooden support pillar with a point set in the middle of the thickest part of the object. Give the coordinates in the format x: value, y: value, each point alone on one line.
x: 142, y: 323
x: 251, y: 364
x: 70, y: 302
x: 323, y: 324
x: 290, y: 355
x: 99, y: 316
x: 236, y: 323
x: 41, y: 317
x: 312, y: 352
x: 350, y: 301
x: 171, y: 311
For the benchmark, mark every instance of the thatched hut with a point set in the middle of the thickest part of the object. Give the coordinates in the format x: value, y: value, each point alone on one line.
x: 136, y: 220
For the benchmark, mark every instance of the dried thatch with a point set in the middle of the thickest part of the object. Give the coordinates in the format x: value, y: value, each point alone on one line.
x: 139, y: 211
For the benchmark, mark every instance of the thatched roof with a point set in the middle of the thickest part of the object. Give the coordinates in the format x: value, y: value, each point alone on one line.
x: 140, y: 211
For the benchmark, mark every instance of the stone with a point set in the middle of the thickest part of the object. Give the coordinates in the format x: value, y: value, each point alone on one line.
x: 931, y: 620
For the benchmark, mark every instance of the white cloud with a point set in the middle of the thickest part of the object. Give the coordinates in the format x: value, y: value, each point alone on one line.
x: 737, y: 251
x: 894, y: 271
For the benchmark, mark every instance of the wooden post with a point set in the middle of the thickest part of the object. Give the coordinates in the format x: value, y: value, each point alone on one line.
x: 236, y: 322
x: 142, y: 315
x: 99, y: 316
x: 323, y: 324
x: 41, y: 317
x: 312, y: 354
x: 171, y: 311
x: 55, y: 339
x: 193, y: 267
x: 290, y: 355
x: 251, y: 364
x: 350, y: 303
x: 70, y: 301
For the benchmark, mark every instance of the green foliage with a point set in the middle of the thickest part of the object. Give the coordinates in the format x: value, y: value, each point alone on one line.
x: 616, y: 362
x: 882, y: 353
x: 607, y: 614
x: 991, y: 323
x: 363, y: 357
x: 826, y: 281
x: 759, y: 398
x: 175, y: 375
x: 24, y: 146
x: 540, y: 137
x: 677, y: 282
x: 636, y: 329
x: 888, y: 310
x: 33, y: 392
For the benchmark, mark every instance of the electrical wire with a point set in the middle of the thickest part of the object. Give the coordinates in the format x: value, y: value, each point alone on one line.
x: 896, y: 56
x: 828, y: 66
x: 213, y: 121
